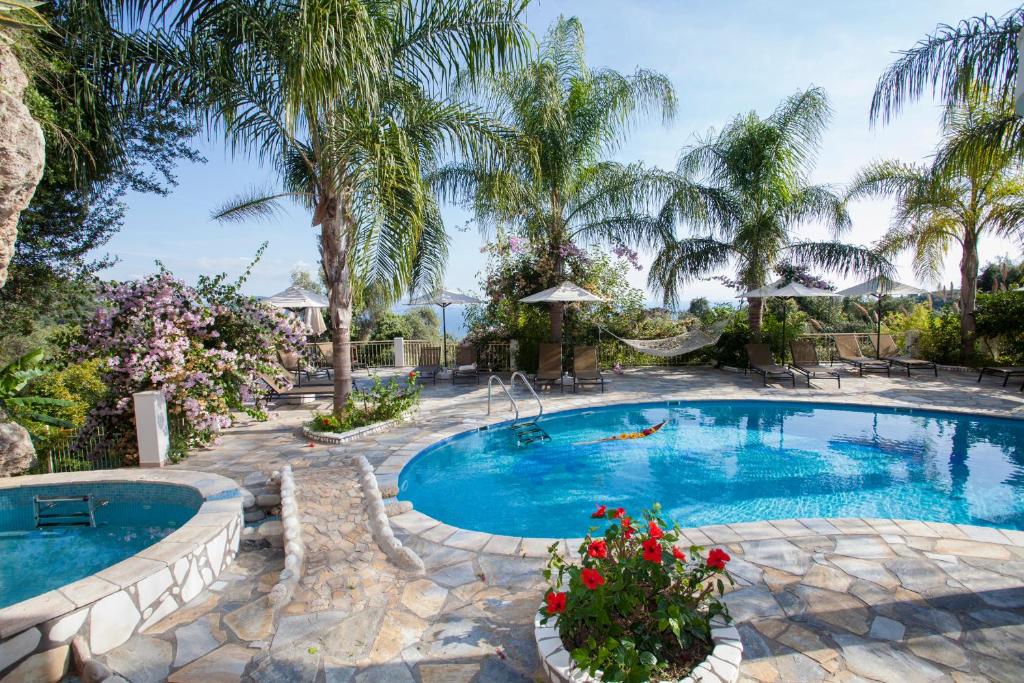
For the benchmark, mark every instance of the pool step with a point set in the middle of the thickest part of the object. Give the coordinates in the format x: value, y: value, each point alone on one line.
x: 529, y: 432
x: 55, y: 511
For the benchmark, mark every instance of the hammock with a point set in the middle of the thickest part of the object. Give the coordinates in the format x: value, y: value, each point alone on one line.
x: 677, y: 345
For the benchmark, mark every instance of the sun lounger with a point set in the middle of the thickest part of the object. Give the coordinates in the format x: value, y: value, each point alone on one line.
x: 549, y: 365
x: 762, y: 363
x: 848, y: 351
x: 584, y: 367
x: 805, y: 361
x: 888, y: 351
x: 1006, y: 372
x: 327, y: 354
x: 430, y: 363
x: 466, y: 365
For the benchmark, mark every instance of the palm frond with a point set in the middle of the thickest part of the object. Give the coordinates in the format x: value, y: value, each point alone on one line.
x: 842, y: 259
x: 256, y: 204
x: 682, y: 261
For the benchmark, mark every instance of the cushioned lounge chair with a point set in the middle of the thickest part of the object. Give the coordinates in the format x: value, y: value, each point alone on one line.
x: 295, y: 364
x: 327, y: 352
x: 762, y: 363
x: 805, y: 361
x: 466, y: 365
x: 1006, y: 372
x: 888, y: 351
x: 584, y: 367
x: 848, y: 351
x: 549, y: 365
x: 430, y: 363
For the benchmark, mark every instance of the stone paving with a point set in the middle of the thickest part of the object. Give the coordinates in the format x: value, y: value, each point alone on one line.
x: 847, y: 601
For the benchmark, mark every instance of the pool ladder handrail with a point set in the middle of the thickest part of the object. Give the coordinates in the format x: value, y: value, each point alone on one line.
x: 529, y: 387
x: 86, y: 517
x: 490, y: 383
x: 528, y: 431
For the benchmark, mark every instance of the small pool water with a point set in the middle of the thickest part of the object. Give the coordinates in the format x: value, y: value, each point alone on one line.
x: 129, y: 518
x: 727, y: 461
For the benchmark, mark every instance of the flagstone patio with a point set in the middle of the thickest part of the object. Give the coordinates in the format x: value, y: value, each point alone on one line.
x: 844, y: 600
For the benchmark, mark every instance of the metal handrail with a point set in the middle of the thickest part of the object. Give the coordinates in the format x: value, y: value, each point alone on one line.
x: 490, y: 383
x: 512, y: 383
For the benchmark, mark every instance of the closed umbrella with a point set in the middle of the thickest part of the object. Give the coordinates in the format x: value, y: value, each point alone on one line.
x: 879, y: 287
x: 306, y: 305
x: 444, y: 298
x: 785, y: 290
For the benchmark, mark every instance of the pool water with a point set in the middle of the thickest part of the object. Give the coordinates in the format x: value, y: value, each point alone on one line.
x: 129, y: 518
x: 720, y: 462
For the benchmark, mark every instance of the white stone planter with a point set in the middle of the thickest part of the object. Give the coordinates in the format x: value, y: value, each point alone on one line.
x: 721, y: 666
x: 335, y: 438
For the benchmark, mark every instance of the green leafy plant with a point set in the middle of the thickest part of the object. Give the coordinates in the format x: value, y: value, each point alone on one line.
x: 384, y: 401
x: 1000, y: 318
x: 637, y: 607
x: 14, y: 377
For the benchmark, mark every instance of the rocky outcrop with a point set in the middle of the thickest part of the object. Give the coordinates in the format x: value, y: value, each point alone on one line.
x: 22, y: 152
x: 16, y: 450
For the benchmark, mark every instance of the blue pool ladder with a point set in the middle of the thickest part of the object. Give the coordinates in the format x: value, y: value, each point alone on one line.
x: 43, y: 508
x: 527, y: 431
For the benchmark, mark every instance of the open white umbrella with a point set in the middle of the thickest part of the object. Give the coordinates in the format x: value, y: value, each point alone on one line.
x: 879, y: 287
x: 564, y: 293
x: 444, y: 298
x: 306, y: 305
x: 785, y: 290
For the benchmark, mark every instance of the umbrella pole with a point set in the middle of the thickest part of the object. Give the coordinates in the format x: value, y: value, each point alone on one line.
x: 878, y: 337
x: 785, y: 318
x: 444, y: 335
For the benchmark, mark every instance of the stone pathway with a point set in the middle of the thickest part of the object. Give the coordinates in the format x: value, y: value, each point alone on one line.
x: 878, y: 605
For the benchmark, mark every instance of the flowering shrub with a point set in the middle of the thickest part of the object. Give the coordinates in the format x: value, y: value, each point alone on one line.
x: 638, y: 607
x: 384, y: 401
x: 202, y: 347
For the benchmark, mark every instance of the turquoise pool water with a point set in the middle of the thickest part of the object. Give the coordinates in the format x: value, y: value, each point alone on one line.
x: 129, y: 517
x: 727, y: 461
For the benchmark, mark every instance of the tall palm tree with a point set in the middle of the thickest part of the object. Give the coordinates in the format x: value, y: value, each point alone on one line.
x: 349, y: 101
x: 559, y: 188
x: 942, y: 205
x: 742, y: 190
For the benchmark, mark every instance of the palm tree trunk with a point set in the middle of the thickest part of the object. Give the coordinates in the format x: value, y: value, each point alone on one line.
x: 968, y: 295
x: 755, y: 309
x: 335, y: 246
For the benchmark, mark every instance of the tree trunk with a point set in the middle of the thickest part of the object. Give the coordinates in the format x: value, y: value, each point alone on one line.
x: 968, y: 295
x: 755, y: 308
x: 335, y: 244
x: 22, y: 152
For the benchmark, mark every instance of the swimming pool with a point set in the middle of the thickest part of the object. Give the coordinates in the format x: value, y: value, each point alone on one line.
x: 129, y: 517
x: 724, y: 462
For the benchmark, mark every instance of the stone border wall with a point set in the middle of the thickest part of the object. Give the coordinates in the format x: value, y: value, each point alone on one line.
x: 380, y: 526
x: 104, y: 610
x: 294, y: 547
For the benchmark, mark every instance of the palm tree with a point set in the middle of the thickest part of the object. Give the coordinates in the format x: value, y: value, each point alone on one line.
x: 742, y: 191
x: 977, y: 57
x: 941, y: 205
x: 559, y: 189
x: 349, y: 101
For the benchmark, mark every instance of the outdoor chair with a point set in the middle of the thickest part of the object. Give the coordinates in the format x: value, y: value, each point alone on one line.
x: 549, y: 365
x: 762, y: 363
x: 848, y: 351
x: 465, y: 365
x: 276, y: 390
x: 327, y: 352
x: 295, y: 364
x: 430, y: 363
x: 584, y: 367
x: 805, y: 361
x: 888, y: 351
x: 1006, y: 372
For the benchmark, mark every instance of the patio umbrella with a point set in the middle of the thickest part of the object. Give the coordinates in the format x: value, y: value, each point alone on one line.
x: 785, y: 290
x: 879, y: 287
x: 564, y: 293
x: 444, y: 298
x: 305, y: 303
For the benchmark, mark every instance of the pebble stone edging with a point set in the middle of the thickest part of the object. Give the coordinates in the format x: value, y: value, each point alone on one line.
x: 102, y: 611
x: 380, y: 527
x: 721, y: 666
x: 294, y: 547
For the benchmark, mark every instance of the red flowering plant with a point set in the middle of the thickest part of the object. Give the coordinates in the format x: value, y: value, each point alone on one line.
x: 637, y: 606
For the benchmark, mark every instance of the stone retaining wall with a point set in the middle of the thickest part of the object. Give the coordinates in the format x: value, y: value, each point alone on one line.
x: 107, y: 608
x: 380, y: 526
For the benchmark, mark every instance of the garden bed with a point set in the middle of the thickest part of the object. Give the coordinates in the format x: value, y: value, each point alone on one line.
x: 335, y: 438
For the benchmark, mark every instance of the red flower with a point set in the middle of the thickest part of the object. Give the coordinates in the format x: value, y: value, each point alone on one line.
x: 652, y: 550
x: 591, y: 578
x: 619, y: 512
x: 556, y: 602
x: 627, y: 528
x: 412, y: 375
x: 598, y: 549
x: 678, y: 554
x: 717, y: 558
x: 654, y: 531
x: 599, y: 512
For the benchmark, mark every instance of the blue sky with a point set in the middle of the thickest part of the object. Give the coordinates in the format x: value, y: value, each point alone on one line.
x: 723, y: 57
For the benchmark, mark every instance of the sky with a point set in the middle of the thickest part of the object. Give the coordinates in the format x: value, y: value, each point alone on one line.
x: 723, y: 57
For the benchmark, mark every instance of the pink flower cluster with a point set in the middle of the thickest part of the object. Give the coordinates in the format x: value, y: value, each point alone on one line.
x: 624, y: 252
x: 202, y: 350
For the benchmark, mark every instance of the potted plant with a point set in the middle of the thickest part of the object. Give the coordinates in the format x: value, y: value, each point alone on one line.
x: 637, y: 607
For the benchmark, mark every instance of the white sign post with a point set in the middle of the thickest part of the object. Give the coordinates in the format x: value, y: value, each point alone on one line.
x: 151, y: 428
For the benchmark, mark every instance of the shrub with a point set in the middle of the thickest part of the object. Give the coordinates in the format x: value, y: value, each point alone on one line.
x: 384, y: 401
x: 1000, y: 318
x: 638, y: 607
